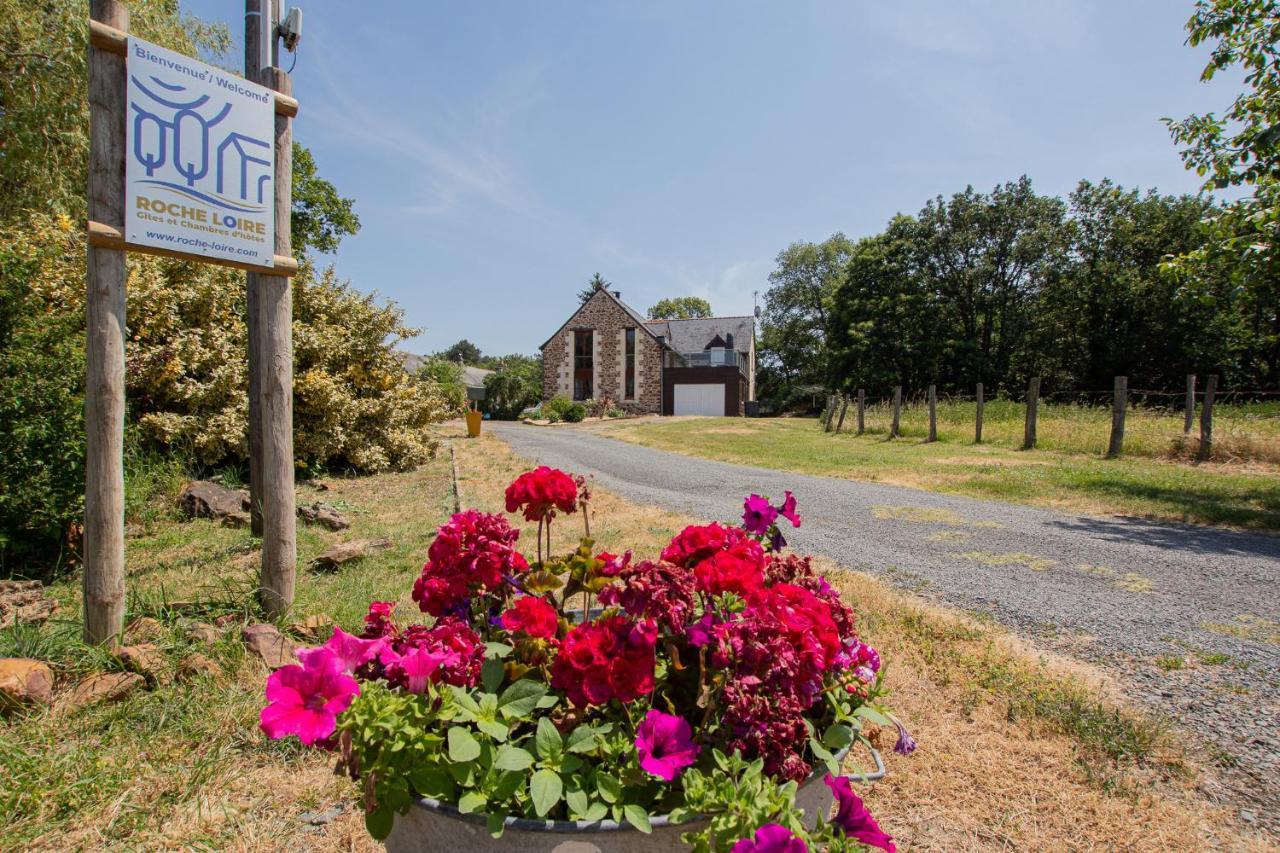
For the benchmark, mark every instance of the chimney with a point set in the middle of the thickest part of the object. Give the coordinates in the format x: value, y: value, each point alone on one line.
x: 618, y: 293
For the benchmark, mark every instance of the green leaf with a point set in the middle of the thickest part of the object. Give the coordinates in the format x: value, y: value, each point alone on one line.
x: 545, y: 789
x: 837, y: 737
x: 547, y: 740
x: 825, y: 756
x: 494, y: 729
x: 871, y: 715
x: 463, y: 747
x: 637, y: 817
x: 508, y: 784
x: 581, y: 739
x: 497, y: 822
x: 471, y: 801
x: 512, y: 758
x: 519, y: 699
x: 610, y: 788
x: 495, y: 649
x: 379, y: 821
x: 492, y: 671
x: 597, y: 811
x: 578, y: 801
x: 433, y: 782
x: 463, y: 700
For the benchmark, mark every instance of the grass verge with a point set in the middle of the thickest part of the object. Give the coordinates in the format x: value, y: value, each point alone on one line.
x: 1234, y: 495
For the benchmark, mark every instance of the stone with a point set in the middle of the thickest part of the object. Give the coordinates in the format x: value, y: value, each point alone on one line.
x: 146, y: 660
x: 321, y: 818
x: 346, y: 552
x: 203, y: 499
x: 203, y: 632
x: 24, y: 681
x: 236, y: 519
x: 266, y: 641
x: 325, y: 515
x: 144, y: 629
x: 24, y: 603
x: 105, y: 687
x: 314, y: 626
x: 196, y: 665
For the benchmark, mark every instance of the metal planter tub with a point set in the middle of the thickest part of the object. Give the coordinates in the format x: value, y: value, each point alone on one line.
x: 431, y: 826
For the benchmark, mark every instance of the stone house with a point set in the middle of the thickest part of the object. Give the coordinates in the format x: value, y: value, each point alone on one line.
x: 608, y: 350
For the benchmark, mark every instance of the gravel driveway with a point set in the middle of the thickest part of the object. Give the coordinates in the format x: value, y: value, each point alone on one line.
x: 1188, y: 618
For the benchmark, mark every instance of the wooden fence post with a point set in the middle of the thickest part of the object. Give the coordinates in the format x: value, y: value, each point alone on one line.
x: 977, y: 426
x: 1033, y: 405
x: 1206, y: 419
x: 897, y: 411
x: 253, y: 30
x: 275, y: 345
x: 844, y: 407
x: 933, y: 413
x: 831, y: 412
x: 1119, y: 403
x: 1189, y: 405
x: 104, y: 597
x: 822, y: 417
x: 862, y: 411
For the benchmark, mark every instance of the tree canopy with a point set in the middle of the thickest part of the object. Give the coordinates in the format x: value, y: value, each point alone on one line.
x: 597, y: 282
x: 463, y: 352
x: 680, y: 308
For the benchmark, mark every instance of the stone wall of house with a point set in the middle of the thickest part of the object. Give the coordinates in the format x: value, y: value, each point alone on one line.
x: 609, y: 322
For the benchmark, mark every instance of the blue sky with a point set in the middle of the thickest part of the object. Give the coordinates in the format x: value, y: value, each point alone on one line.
x: 502, y: 152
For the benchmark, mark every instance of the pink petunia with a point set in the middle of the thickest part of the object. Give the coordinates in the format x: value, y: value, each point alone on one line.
x: 853, y: 818
x: 757, y: 515
x: 306, y: 700
x: 665, y: 745
x: 350, y: 652
x: 771, y: 838
x: 420, y: 664
x: 788, y: 510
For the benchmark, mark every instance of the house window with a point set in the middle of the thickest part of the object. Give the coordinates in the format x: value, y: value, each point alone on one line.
x: 583, y: 364
x: 630, y: 386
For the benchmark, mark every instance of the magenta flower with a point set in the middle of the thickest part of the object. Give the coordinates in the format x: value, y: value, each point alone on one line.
x: 853, y: 818
x: 788, y: 510
x: 306, y: 700
x: 771, y: 838
x: 350, y: 652
x: 758, y: 515
x: 665, y: 745
x: 420, y: 664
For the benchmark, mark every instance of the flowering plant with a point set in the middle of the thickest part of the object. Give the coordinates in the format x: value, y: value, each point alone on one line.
x: 711, y: 681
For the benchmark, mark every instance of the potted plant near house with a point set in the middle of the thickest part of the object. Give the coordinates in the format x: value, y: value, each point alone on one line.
x: 596, y: 700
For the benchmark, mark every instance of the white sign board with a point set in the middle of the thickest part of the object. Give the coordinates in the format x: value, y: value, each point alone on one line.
x: 200, y: 159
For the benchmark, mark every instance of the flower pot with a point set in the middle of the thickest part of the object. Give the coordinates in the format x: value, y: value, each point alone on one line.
x: 431, y: 825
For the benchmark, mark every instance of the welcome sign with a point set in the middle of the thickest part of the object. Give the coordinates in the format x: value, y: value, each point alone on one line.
x: 199, y: 160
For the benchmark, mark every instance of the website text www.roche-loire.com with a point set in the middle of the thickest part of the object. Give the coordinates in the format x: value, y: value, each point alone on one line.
x: 197, y: 243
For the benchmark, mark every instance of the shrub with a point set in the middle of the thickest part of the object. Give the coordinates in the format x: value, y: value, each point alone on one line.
x: 575, y: 413
x: 512, y: 388
x: 447, y: 377
x: 557, y: 406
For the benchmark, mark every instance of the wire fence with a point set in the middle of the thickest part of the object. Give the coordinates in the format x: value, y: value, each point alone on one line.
x: 1243, y: 425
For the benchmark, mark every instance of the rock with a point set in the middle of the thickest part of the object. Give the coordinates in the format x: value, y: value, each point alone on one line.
x: 1248, y: 816
x: 105, y: 687
x: 203, y: 499
x: 203, y: 632
x: 225, y: 619
x: 146, y: 660
x: 314, y: 626
x: 24, y: 603
x: 195, y: 665
x: 346, y: 552
x: 321, y: 818
x: 275, y: 649
x: 324, y: 515
x: 236, y: 519
x: 144, y: 629
x: 24, y: 682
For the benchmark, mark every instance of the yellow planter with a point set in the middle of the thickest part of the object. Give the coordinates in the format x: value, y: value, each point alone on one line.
x: 473, y: 423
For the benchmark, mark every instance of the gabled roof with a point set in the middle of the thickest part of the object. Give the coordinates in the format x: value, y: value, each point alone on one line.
x: 695, y: 334
x: 635, y: 315
x: 473, y: 377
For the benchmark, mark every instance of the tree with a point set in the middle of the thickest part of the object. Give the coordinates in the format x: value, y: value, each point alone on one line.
x: 596, y: 283
x: 447, y: 376
x: 513, y: 388
x: 1240, y: 149
x: 680, y: 308
x: 463, y: 352
x: 320, y: 217
x: 794, y: 325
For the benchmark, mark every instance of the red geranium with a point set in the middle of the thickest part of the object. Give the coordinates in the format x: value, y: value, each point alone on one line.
x: 541, y: 492
x: 474, y: 552
x: 533, y: 616
x: 663, y: 592
x: 610, y: 658
x: 728, y: 571
x: 461, y: 650
x: 695, y: 543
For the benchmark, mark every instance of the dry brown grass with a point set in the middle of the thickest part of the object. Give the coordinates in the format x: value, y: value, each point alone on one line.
x: 996, y: 770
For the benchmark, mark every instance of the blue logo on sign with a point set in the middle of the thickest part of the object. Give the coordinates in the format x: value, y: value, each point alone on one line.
x: 179, y: 130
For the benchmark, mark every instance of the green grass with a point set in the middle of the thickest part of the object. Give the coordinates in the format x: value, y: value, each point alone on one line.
x: 1233, y: 495
x: 143, y: 772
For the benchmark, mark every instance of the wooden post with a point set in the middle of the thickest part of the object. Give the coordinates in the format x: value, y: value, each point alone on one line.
x: 862, y: 411
x: 844, y: 407
x: 104, y: 597
x: 831, y: 412
x: 977, y: 426
x: 275, y: 346
x: 897, y: 412
x: 253, y: 71
x: 822, y: 416
x: 1033, y: 405
x: 1206, y: 419
x: 1189, y: 405
x: 1119, y: 403
x: 933, y: 413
